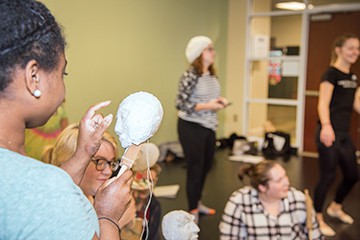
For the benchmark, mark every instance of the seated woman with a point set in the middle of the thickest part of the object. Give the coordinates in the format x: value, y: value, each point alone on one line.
x: 268, y: 209
x: 100, y: 168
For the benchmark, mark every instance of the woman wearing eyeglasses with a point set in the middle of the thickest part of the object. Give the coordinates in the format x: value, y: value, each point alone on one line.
x: 100, y: 168
x: 198, y: 99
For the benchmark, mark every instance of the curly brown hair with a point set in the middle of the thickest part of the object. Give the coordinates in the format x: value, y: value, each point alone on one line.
x: 28, y: 32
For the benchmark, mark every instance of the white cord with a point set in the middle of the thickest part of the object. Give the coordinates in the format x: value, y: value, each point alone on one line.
x: 151, y: 188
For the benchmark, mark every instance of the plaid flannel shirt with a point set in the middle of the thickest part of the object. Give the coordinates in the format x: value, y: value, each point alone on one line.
x: 244, y: 218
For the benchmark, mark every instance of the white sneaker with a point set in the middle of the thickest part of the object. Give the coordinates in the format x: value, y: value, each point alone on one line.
x: 340, y: 214
x: 326, y: 230
x: 205, y: 210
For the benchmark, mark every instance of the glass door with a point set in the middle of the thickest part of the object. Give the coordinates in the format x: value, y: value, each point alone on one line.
x: 273, y: 78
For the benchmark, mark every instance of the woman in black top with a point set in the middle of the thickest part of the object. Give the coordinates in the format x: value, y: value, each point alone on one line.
x: 337, y: 98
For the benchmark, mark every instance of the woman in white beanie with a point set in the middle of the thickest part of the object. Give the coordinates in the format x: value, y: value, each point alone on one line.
x: 197, y: 101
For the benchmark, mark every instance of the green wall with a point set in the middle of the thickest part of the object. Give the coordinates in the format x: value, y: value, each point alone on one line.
x: 117, y: 47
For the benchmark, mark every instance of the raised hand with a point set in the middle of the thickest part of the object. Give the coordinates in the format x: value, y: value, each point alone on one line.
x: 91, y: 128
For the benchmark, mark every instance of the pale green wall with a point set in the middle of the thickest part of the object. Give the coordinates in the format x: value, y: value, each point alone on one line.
x: 235, y: 66
x: 117, y: 47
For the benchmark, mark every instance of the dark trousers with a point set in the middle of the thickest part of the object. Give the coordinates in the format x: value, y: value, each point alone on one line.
x: 341, y: 153
x: 198, y: 144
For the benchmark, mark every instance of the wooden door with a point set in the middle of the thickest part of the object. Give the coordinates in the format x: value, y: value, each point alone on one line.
x: 321, y: 36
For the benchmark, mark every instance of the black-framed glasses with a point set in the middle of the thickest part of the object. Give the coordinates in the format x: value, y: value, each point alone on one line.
x: 102, y: 163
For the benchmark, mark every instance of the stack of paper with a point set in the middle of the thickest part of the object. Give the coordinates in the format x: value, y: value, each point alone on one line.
x: 246, y: 158
x: 167, y: 191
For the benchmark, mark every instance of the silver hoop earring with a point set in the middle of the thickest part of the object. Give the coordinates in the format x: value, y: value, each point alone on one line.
x: 37, y: 93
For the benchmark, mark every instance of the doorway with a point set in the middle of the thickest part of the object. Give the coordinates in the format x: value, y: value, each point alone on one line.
x: 323, y: 30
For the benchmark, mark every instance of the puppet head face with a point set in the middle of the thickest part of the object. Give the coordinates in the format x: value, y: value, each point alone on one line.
x: 138, y: 118
x: 178, y: 225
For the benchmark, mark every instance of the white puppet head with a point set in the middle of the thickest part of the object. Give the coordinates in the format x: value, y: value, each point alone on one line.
x: 138, y: 118
x: 179, y: 225
x: 147, y: 157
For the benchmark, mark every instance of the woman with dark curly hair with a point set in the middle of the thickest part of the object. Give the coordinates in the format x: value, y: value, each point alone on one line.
x: 37, y: 200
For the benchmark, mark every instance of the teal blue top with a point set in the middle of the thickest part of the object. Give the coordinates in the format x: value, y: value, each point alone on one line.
x: 41, y: 201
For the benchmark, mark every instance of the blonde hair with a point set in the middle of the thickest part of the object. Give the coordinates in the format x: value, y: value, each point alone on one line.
x: 66, y: 143
x: 338, y: 43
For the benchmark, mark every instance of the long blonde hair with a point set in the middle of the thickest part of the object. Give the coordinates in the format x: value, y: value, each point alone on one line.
x: 66, y: 143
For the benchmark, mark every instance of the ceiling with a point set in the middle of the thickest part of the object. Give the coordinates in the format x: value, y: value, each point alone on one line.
x: 316, y: 2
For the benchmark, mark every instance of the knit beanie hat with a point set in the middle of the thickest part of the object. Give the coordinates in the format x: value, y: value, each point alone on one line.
x: 196, y: 46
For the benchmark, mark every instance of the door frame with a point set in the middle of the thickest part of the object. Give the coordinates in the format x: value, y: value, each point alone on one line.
x: 300, y: 102
x: 331, y: 8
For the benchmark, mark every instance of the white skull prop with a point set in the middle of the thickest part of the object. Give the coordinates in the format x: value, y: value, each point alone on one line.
x: 138, y: 118
x: 179, y: 225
